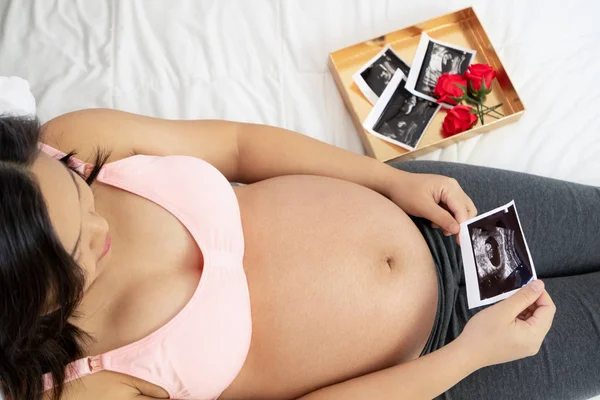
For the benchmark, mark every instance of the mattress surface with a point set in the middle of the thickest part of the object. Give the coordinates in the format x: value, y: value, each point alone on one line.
x: 265, y: 61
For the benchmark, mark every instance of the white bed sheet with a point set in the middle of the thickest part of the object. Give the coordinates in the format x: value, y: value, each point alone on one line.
x: 265, y: 61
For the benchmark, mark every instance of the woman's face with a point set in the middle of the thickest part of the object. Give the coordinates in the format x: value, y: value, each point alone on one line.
x: 70, y: 203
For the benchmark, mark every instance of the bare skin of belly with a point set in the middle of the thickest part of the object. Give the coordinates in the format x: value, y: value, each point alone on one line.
x: 341, y: 284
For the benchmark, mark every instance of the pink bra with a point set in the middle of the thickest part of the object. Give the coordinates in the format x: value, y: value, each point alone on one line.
x: 199, y: 352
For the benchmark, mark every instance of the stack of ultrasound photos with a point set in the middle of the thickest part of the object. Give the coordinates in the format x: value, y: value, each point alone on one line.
x: 402, y: 95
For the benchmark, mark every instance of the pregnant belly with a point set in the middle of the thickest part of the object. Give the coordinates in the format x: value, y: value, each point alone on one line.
x: 341, y: 284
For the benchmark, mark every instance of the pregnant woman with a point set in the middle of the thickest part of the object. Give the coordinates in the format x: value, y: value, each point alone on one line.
x: 146, y: 275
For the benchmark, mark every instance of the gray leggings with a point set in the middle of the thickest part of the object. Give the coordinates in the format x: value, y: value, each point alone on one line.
x: 561, y: 221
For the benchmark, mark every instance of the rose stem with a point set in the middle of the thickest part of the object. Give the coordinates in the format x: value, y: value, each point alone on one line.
x: 490, y: 109
x: 480, y: 112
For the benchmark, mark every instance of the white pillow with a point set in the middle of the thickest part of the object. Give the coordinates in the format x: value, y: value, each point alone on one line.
x: 16, y: 97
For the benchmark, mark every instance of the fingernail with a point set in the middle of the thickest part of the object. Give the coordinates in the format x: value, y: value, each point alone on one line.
x: 537, y: 286
x: 453, y: 227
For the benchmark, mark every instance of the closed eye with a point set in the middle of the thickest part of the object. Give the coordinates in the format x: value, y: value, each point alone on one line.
x: 71, y: 172
x: 67, y: 160
x: 99, y: 162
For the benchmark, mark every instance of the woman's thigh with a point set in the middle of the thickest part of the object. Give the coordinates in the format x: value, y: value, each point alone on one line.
x: 560, y: 219
x: 568, y: 364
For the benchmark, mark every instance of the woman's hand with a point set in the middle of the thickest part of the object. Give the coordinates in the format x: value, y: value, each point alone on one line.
x: 437, y: 198
x: 511, y: 329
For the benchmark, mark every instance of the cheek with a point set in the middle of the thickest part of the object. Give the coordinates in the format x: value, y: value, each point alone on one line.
x: 88, y: 267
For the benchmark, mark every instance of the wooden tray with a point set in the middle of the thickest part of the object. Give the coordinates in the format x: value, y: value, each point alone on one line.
x: 462, y: 28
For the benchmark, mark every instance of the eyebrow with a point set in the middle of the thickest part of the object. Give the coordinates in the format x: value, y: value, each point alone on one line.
x: 72, y: 175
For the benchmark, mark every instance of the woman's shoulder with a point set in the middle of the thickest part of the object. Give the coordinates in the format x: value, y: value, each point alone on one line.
x: 125, y: 134
x: 86, y: 131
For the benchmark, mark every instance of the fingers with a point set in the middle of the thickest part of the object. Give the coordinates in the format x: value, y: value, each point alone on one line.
x: 543, y: 315
x: 471, y: 209
x: 520, y: 301
x: 446, y: 233
x: 527, y: 313
x: 457, y: 205
x: 436, y: 226
x: 471, y: 212
x: 442, y: 219
x: 461, y: 206
x: 454, y: 208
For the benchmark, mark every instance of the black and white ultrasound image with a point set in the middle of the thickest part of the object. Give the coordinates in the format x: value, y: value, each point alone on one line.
x: 379, y: 74
x: 500, y: 253
x: 405, y: 117
x: 440, y: 59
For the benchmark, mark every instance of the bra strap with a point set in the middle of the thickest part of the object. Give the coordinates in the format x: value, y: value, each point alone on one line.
x: 82, y: 167
x: 77, y: 369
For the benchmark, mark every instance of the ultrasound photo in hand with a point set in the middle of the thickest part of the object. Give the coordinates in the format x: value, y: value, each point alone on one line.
x: 496, y: 258
x: 399, y: 117
x: 374, y: 76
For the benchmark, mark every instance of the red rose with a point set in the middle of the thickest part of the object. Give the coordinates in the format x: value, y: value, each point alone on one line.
x: 479, y: 75
x: 458, y: 119
x: 450, y: 88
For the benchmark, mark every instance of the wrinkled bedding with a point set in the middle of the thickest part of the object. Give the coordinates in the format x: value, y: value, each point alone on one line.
x: 265, y: 61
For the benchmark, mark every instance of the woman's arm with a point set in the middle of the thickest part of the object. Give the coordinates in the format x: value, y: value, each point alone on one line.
x: 423, y: 378
x: 265, y: 152
x: 125, y: 134
x: 248, y: 153
x: 243, y: 152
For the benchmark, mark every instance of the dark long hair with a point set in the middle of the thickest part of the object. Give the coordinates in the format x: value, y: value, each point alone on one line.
x: 41, y: 285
